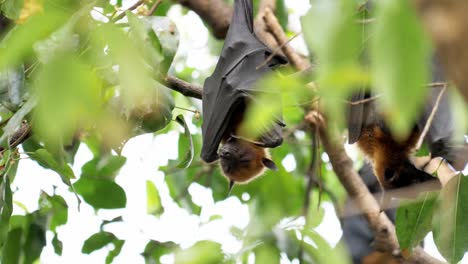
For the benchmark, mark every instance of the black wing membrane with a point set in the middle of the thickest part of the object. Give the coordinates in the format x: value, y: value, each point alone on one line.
x: 231, y: 85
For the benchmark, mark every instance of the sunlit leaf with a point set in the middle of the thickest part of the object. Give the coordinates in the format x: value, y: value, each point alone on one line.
x: 203, y: 252
x: 153, y: 200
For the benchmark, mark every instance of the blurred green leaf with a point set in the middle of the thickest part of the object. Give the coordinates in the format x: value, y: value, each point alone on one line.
x: 18, y: 44
x: 153, y: 200
x: 400, y: 54
x: 97, y: 241
x: 101, y: 193
x: 267, y: 254
x: 11, y: 8
x: 103, y: 167
x: 414, y: 220
x: 449, y: 222
x: 203, y: 252
x: 187, y: 160
x: 71, y: 86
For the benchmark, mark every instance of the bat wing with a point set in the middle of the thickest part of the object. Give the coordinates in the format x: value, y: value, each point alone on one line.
x: 230, y: 85
x: 355, y: 116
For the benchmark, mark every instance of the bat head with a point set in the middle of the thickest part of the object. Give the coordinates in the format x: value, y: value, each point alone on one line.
x: 407, y: 175
x: 242, y: 161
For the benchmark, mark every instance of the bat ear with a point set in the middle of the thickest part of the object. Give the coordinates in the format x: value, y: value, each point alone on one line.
x: 231, y: 185
x: 269, y: 164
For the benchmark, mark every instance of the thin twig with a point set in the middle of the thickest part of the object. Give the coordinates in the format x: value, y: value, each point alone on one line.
x: 430, y: 119
x: 153, y: 8
x: 363, y: 101
x: 276, y: 51
x: 122, y: 14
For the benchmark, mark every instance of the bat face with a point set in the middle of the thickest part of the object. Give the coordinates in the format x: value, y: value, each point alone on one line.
x: 242, y: 161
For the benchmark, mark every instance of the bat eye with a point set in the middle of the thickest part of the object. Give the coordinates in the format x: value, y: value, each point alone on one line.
x: 389, y: 174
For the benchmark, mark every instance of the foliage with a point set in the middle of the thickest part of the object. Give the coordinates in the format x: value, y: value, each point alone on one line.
x: 82, y: 76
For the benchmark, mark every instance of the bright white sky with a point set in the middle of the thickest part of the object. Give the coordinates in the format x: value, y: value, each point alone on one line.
x: 144, y: 155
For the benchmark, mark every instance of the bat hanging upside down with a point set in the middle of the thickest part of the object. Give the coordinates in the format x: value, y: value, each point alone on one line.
x: 391, y: 159
x: 226, y: 95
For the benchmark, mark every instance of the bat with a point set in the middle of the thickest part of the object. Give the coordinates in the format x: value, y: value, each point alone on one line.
x: 390, y: 157
x: 226, y: 95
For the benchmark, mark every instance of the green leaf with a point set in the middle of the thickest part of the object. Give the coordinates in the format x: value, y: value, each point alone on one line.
x: 267, y: 254
x: 188, y: 157
x: 153, y: 199
x: 11, y: 251
x: 414, y: 220
x: 203, y: 252
x: 103, y: 167
x: 55, y: 208
x: 46, y: 160
x: 118, y: 244
x: 6, y: 208
x: 97, y: 241
x: 12, y: 8
x: 155, y: 249
x: 449, y: 223
x: 35, y: 242
x: 400, y: 55
x: 101, y: 193
x: 57, y: 244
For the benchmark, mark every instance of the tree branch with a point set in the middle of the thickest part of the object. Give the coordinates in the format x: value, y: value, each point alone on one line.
x: 216, y: 13
x: 183, y: 87
x: 274, y: 27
